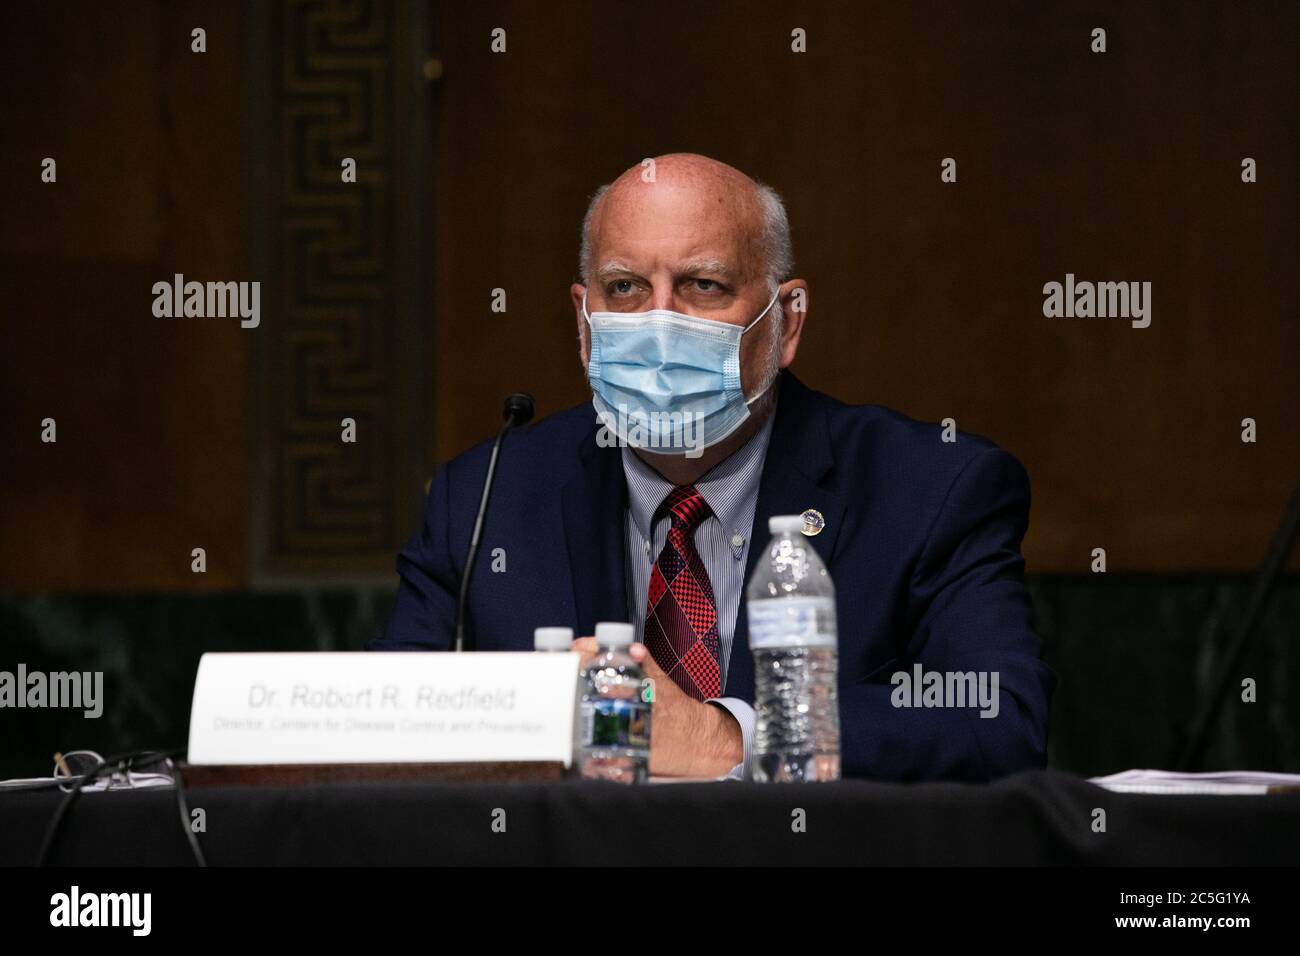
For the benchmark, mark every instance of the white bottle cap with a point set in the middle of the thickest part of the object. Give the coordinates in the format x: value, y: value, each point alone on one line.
x: 781, y: 524
x: 552, y: 638
x: 611, y: 634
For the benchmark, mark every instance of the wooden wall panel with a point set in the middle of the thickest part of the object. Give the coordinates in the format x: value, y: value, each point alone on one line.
x: 151, y: 413
x: 927, y: 297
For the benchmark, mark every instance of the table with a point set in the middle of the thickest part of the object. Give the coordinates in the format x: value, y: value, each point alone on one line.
x: 1041, y: 817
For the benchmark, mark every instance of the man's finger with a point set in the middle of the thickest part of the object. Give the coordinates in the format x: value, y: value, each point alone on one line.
x: 641, y: 654
x: 588, y: 648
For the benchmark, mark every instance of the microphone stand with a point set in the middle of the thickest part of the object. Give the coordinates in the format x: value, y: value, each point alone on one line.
x: 518, y: 411
x: 1265, y: 580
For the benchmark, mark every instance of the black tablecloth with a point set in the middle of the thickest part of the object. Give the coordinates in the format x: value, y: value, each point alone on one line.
x: 1032, y: 818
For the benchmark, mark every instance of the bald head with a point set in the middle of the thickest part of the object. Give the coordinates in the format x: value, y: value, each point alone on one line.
x: 688, y: 196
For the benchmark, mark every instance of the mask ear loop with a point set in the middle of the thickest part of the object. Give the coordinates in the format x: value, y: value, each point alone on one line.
x: 762, y: 315
x: 764, y: 390
x: 585, y: 314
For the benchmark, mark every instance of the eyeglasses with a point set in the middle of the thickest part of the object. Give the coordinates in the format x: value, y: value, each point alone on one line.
x: 74, y: 765
x: 90, y: 772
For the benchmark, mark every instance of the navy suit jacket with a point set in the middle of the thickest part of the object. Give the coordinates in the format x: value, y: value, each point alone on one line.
x: 922, y: 540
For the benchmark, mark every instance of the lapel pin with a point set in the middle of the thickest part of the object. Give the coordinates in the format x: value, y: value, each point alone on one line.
x: 813, y: 522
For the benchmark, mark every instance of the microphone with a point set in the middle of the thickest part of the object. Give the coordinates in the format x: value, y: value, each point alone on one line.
x: 518, y: 411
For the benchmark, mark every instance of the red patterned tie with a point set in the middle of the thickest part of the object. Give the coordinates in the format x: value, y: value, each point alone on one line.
x: 681, y: 623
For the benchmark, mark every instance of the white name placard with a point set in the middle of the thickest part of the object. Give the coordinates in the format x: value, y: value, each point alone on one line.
x: 396, y: 707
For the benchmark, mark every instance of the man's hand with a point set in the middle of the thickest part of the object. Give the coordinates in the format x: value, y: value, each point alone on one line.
x: 688, y: 738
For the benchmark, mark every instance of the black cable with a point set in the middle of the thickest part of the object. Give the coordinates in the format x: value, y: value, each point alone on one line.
x: 1284, y: 540
x: 60, y: 814
x: 125, y: 763
x: 183, y: 806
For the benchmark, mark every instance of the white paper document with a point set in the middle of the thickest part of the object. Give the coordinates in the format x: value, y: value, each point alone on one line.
x: 1221, y: 782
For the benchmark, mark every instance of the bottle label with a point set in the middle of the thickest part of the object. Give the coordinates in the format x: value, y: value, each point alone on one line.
x: 615, y: 723
x: 791, y: 622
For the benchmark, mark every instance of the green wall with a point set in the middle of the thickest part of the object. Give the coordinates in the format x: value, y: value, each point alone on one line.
x: 1129, y: 653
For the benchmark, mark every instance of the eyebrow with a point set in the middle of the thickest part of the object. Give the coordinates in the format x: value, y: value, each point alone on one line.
x: 690, y: 267
x: 714, y: 266
x: 614, y: 267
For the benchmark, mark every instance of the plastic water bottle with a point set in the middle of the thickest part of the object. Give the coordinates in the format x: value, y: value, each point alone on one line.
x: 613, y: 725
x: 553, y: 639
x: 791, y: 608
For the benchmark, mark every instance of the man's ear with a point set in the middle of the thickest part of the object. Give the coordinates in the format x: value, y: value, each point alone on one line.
x: 794, y: 304
x: 576, y: 292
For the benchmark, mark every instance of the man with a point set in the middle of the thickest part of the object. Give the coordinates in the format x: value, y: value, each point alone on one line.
x: 688, y: 318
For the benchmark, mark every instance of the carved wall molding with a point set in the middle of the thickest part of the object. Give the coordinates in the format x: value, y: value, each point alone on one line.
x: 345, y: 297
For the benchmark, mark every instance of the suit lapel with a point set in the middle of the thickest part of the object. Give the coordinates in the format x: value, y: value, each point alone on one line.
x: 593, y: 504
x: 798, y: 458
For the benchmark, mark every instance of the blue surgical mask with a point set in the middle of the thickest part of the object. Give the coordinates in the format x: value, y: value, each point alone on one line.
x: 666, y: 381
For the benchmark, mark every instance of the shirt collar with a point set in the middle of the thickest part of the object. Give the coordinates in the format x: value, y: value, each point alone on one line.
x: 727, y: 487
